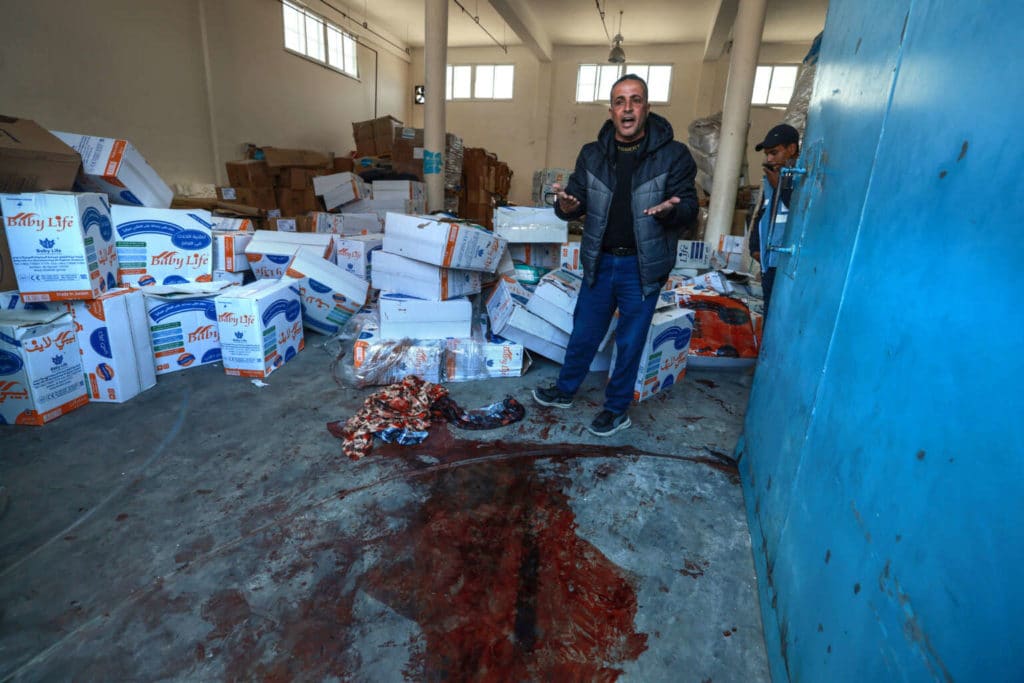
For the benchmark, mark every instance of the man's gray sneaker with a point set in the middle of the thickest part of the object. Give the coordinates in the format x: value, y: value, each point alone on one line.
x: 552, y: 397
x: 607, y: 423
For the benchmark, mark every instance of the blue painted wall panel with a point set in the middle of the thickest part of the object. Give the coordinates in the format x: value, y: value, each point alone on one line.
x: 899, y: 451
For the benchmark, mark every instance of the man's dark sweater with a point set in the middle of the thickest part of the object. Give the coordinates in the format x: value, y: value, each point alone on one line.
x: 619, y: 232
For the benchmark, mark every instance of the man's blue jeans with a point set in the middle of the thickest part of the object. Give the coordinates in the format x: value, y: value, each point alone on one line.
x: 617, y: 285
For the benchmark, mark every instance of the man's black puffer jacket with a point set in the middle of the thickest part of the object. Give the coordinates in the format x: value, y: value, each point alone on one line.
x: 665, y: 170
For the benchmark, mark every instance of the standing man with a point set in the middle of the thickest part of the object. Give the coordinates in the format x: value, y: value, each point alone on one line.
x: 635, y: 186
x: 781, y: 148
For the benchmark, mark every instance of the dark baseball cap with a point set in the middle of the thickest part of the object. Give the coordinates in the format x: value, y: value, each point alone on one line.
x: 782, y: 134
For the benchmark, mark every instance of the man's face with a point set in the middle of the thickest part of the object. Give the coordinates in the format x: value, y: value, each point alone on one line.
x: 629, y: 110
x: 780, y: 155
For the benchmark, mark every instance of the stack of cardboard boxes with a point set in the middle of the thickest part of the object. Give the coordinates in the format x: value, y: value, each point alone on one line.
x: 486, y: 183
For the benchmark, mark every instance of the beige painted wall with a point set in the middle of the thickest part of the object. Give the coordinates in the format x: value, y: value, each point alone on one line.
x: 516, y: 131
x: 135, y: 69
x: 115, y: 68
x: 266, y: 95
x: 544, y: 127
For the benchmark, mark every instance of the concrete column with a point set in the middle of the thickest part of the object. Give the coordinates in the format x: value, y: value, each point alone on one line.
x: 735, y: 117
x: 435, y: 57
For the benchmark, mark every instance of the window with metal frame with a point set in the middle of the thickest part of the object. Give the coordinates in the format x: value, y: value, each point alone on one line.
x: 310, y: 35
x: 773, y: 84
x: 594, y: 81
x: 479, y: 82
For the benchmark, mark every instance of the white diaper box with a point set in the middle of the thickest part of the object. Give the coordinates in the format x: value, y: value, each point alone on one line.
x: 260, y: 327
x: 329, y: 295
x: 183, y: 324
x: 40, y: 367
x: 163, y: 246
x: 555, y: 297
x: 448, y: 244
x: 394, y: 273
x: 116, y: 168
x: 340, y: 188
x: 117, y: 351
x: 663, y: 360
x: 269, y: 252
x: 355, y: 253
x: 530, y: 224
x: 404, y: 316
x: 62, y: 245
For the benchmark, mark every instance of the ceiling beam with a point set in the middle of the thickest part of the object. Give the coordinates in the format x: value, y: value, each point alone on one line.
x: 721, y: 28
x: 517, y: 14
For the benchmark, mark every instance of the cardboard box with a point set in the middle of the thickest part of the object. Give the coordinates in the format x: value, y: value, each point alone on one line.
x: 260, y: 327
x: 384, y: 129
x: 296, y: 202
x: 506, y: 308
x: 259, y: 197
x: 7, y: 278
x: 293, y: 224
x: 233, y: 224
x: 269, y: 252
x: 730, y: 255
x: 11, y: 300
x: 663, y: 360
x: 32, y: 159
x: 543, y: 255
x: 383, y: 361
x: 527, y: 224
x: 347, y: 224
x: 555, y: 298
x: 183, y: 324
x: 229, y: 250
x: 452, y: 245
x: 300, y: 178
x: 366, y: 147
x: 249, y: 173
x: 40, y: 367
x: 394, y: 273
x: 231, y: 278
x: 329, y: 295
x: 163, y: 246
x: 354, y: 254
x: 399, y: 190
x: 404, y: 316
x: 569, y: 259
x: 692, y: 254
x: 543, y: 184
x: 276, y: 157
x: 340, y: 188
x: 118, y: 169
x: 62, y: 245
x: 342, y: 164
x: 470, y: 359
x: 529, y: 275
x: 117, y: 352
x: 379, y: 207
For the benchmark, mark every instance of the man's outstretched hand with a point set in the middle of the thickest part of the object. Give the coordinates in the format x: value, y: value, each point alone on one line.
x: 660, y: 209
x: 566, y: 202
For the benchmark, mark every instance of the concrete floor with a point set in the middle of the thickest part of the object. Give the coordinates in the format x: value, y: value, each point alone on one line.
x: 212, y: 530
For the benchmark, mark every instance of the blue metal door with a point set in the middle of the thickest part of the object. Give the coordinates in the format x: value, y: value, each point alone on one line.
x: 883, y: 456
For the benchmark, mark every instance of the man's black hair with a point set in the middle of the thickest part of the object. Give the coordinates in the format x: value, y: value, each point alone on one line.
x: 629, y: 77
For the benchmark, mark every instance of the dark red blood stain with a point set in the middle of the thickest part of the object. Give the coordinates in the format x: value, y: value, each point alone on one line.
x: 707, y: 382
x: 545, y: 432
x: 692, y: 419
x: 694, y: 568
x: 200, y: 652
x: 226, y: 610
x: 726, y: 633
x: 489, y: 567
x: 121, y: 517
x: 200, y: 546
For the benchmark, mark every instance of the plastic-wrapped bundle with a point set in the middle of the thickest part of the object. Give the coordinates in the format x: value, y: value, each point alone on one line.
x: 377, y: 361
x: 704, y: 135
x: 452, y: 162
x: 796, y: 110
x: 478, y: 358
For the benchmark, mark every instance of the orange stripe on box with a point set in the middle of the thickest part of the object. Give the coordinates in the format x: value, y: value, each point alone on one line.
x: 114, y: 160
x: 94, y: 389
x: 245, y: 373
x: 131, y: 271
x: 171, y: 352
x: 444, y: 284
x: 253, y: 258
x: 449, y: 248
x: 31, y: 417
x: 59, y: 295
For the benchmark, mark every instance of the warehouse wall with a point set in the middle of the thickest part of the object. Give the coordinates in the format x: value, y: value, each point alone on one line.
x: 515, y: 130
x: 266, y: 95
x: 125, y: 68
x: 543, y: 125
x: 113, y: 68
